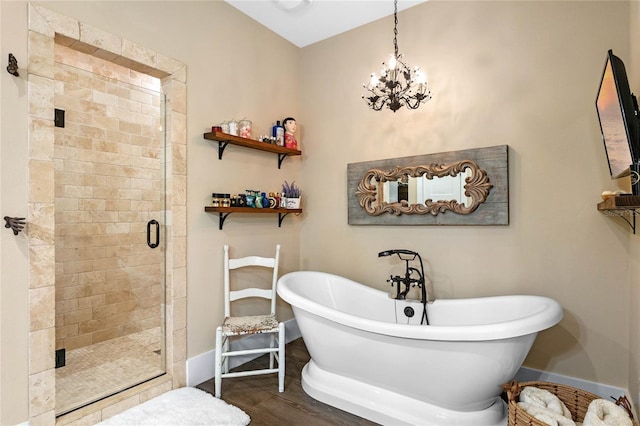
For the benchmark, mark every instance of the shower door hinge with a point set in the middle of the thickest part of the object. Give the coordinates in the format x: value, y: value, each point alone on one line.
x: 58, y: 117
x: 60, y: 358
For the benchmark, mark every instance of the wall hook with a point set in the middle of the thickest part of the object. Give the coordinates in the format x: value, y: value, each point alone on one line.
x: 12, y: 68
x: 15, y: 223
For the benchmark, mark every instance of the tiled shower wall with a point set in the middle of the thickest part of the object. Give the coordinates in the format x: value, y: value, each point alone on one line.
x: 108, y: 185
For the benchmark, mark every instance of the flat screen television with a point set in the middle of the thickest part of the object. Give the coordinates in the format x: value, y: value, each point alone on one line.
x: 618, y: 115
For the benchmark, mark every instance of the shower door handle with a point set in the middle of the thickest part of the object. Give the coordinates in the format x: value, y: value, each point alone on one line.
x: 155, y: 223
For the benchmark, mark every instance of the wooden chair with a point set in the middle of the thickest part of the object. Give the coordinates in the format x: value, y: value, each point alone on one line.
x: 246, y: 325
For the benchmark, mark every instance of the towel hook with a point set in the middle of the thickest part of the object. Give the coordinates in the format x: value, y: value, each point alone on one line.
x: 15, y: 223
x: 12, y: 68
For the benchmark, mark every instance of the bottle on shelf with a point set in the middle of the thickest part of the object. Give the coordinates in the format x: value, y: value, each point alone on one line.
x: 251, y: 198
x: 277, y: 132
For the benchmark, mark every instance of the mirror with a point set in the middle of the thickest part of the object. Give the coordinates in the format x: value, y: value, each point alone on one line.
x: 471, y: 184
x: 432, y: 189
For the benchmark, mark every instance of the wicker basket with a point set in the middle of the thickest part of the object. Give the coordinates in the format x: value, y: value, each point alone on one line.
x: 576, y: 400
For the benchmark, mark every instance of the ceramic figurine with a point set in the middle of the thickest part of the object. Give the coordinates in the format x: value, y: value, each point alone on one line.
x: 290, y: 127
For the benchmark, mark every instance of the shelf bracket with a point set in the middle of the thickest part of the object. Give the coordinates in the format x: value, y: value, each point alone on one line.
x: 222, y: 217
x: 632, y: 225
x: 221, y: 147
x: 281, y: 157
x: 281, y: 217
x: 623, y: 214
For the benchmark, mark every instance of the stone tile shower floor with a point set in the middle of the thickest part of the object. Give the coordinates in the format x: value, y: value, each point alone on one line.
x: 102, y: 369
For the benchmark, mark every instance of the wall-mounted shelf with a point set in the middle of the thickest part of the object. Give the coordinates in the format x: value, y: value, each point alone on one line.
x: 622, y: 206
x: 223, y: 212
x: 225, y: 139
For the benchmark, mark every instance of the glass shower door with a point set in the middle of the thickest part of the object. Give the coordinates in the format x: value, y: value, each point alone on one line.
x: 109, y: 219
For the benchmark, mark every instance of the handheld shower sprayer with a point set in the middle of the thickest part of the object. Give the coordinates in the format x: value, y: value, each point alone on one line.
x: 398, y: 252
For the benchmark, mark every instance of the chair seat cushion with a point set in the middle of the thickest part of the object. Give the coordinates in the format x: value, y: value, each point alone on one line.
x: 234, y: 326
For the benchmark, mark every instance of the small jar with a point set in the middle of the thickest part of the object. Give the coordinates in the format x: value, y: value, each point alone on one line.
x: 225, y: 127
x: 251, y: 198
x: 226, y: 200
x: 233, y: 128
x: 215, y: 201
x: 245, y: 128
x: 273, y: 202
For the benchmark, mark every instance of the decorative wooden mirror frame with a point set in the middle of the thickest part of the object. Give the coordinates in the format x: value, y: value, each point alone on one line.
x: 488, y: 188
x: 477, y: 188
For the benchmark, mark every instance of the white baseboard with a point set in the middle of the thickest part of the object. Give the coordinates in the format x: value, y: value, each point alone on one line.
x: 201, y: 368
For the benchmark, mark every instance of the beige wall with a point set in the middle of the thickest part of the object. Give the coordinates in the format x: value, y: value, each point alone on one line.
x: 516, y: 73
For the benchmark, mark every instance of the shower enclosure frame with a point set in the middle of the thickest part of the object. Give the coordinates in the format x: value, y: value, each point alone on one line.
x: 45, y: 29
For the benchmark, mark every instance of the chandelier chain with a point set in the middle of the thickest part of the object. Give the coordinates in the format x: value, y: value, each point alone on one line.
x: 395, y: 27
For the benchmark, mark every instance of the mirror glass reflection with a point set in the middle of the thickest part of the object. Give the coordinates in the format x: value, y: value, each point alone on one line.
x: 417, y: 190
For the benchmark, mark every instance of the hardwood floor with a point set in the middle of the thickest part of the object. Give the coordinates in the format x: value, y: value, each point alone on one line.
x: 258, y: 396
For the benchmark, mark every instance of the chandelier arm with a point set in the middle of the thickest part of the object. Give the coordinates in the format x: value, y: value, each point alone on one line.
x: 415, y: 105
x: 377, y: 106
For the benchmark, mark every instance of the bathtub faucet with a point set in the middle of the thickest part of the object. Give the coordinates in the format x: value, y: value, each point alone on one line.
x: 408, y: 280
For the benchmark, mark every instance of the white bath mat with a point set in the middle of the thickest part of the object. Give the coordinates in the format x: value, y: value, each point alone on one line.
x: 184, y: 406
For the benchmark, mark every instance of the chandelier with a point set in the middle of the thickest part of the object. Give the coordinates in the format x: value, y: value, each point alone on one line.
x: 398, y: 84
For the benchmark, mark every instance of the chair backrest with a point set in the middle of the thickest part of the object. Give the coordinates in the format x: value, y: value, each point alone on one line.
x: 249, y: 261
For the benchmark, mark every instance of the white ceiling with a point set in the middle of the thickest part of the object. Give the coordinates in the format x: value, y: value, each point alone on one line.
x: 305, y: 22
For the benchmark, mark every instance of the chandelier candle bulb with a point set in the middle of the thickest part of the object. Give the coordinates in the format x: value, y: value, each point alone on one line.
x: 392, y: 67
x: 373, y: 82
x: 392, y: 62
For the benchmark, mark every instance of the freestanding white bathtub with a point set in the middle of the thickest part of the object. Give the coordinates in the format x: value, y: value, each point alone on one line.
x: 371, y: 360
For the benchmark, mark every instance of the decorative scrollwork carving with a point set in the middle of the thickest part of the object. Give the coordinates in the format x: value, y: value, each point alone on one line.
x: 477, y: 187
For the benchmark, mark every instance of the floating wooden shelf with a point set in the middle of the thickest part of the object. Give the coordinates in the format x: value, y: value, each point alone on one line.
x: 223, y: 212
x: 622, y: 205
x: 225, y: 139
x: 620, y: 202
